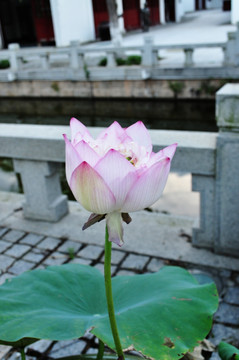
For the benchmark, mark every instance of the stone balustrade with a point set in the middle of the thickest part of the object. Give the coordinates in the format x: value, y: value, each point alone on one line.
x: 211, y: 158
x: 77, y: 62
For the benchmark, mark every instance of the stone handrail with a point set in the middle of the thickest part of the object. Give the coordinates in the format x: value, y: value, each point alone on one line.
x: 72, y: 63
x: 212, y: 158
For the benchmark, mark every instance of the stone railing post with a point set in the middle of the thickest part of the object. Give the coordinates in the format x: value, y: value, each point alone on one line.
x: 229, y: 53
x: 188, y: 57
x: 155, y: 56
x: 43, y: 196
x: 231, y: 57
x: 148, y: 56
x: 111, y: 59
x: 74, y: 58
x: 44, y: 61
x: 227, y: 171
x: 204, y: 236
x: 13, y: 48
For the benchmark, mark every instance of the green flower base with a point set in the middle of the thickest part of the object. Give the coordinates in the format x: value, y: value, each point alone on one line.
x: 162, y: 315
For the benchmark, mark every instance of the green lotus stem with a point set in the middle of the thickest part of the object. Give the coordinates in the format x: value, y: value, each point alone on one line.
x: 23, y: 356
x: 109, y: 296
x: 100, y: 350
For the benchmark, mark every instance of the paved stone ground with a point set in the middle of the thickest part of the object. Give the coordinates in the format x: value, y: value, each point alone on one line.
x: 21, y: 251
x: 207, y: 26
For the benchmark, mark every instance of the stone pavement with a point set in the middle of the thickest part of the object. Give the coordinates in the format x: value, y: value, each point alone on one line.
x: 26, y: 245
x: 207, y: 26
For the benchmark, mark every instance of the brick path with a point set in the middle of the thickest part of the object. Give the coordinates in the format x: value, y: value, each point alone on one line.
x: 21, y: 251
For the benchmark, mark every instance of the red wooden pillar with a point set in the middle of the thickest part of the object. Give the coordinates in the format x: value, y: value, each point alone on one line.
x: 100, y: 14
x: 42, y: 19
x: 131, y: 9
x: 154, y: 11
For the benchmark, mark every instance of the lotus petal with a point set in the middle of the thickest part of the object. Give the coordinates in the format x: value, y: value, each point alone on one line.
x: 90, y: 189
x: 140, y: 135
x: 118, y: 173
x: 148, y: 188
x: 73, y: 159
x: 168, y: 151
x: 86, y: 152
x: 79, y: 131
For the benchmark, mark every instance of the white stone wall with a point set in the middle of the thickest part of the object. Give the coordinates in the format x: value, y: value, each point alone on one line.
x: 189, y: 5
x: 72, y: 20
x: 179, y: 10
x: 235, y: 11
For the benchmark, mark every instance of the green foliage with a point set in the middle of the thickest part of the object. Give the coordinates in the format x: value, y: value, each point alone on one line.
x: 4, y: 64
x: 208, y: 88
x: 71, y: 253
x: 133, y: 60
x: 120, y: 61
x: 164, y: 321
x: 87, y: 72
x: 176, y: 86
x: 103, y: 62
x: 227, y: 351
x: 130, y: 60
x: 55, y: 86
x: 6, y: 164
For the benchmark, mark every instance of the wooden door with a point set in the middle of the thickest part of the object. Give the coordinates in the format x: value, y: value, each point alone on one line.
x: 169, y: 6
x: 42, y: 18
x: 100, y: 14
x: 131, y: 10
x: 154, y: 11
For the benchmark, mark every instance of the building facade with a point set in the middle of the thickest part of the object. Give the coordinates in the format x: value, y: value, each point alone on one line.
x: 50, y: 22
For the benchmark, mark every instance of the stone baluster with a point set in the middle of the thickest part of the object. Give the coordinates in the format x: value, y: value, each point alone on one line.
x: 155, y: 57
x: 204, y: 236
x: 111, y: 59
x: 229, y: 54
x: 81, y: 61
x: 188, y: 57
x: 45, y: 61
x: 219, y: 191
x: 74, y: 58
x: 43, y: 196
x: 227, y: 170
x: 14, y: 65
x: 148, y: 57
x: 224, y: 50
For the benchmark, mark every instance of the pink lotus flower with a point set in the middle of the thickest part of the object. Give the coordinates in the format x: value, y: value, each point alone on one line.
x: 116, y: 173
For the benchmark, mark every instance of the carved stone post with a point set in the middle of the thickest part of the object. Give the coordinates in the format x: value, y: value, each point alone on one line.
x: 148, y: 56
x: 44, y: 61
x: 188, y: 57
x: 227, y: 171
x: 14, y: 47
x: 204, y: 236
x: 74, y: 58
x: 111, y: 59
x: 231, y: 55
x: 44, y: 200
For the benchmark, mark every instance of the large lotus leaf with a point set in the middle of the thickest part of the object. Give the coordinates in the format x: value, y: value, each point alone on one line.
x: 228, y: 352
x: 21, y: 343
x: 163, y: 315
